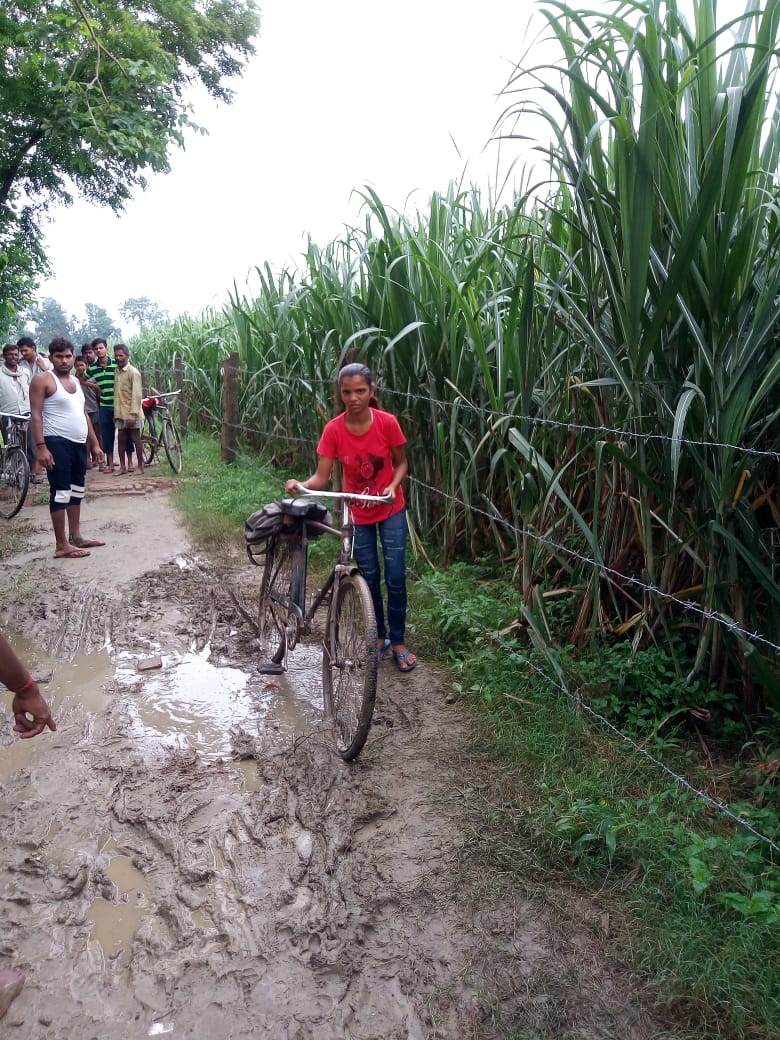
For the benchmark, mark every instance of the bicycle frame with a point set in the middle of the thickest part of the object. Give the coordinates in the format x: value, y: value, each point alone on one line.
x: 15, y: 469
x: 14, y: 425
x: 292, y: 600
x: 161, y: 407
x: 346, y: 533
x: 162, y: 434
x: 349, y: 643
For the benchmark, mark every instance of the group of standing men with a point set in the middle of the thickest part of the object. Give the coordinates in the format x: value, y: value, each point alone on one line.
x: 74, y: 420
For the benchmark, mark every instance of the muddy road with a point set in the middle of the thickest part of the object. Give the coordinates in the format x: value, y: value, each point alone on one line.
x: 186, y: 856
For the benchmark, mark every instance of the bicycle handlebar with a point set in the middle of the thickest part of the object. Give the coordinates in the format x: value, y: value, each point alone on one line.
x: 171, y: 393
x: 15, y: 415
x: 342, y: 495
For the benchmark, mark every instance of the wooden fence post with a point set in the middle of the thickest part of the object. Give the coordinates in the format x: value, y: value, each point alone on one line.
x: 230, y: 380
x: 178, y: 371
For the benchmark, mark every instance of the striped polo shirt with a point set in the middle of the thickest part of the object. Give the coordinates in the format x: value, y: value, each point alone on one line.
x: 104, y: 377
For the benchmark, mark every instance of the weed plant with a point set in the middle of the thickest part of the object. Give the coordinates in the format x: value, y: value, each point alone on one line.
x: 216, y: 499
x: 13, y: 538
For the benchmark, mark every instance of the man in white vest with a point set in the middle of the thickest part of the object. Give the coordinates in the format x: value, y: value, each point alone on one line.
x: 63, y: 435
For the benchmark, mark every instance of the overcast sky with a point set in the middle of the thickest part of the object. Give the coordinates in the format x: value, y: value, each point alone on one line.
x: 402, y: 96
x: 339, y: 95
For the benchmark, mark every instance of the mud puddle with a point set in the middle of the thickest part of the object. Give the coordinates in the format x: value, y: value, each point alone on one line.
x: 186, y: 856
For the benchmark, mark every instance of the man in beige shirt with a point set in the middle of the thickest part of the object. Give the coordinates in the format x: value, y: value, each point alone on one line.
x: 128, y: 414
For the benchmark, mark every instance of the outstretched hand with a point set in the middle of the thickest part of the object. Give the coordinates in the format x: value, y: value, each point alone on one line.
x: 31, y: 703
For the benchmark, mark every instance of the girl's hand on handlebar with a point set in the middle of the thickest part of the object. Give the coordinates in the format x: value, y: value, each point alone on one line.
x: 292, y: 486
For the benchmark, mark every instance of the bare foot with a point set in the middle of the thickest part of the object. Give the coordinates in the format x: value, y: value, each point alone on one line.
x: 71, y: 553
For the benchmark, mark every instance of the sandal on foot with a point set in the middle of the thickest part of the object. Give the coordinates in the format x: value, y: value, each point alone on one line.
x: 85, y: 543
x: 71, y: 553
x: 402, y: 662
x: 381, y: 651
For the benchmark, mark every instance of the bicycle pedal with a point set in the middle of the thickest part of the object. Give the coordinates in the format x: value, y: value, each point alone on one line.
x: 271, y: 668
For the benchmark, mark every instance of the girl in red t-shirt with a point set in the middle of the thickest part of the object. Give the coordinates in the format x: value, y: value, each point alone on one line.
x: 369, y: 444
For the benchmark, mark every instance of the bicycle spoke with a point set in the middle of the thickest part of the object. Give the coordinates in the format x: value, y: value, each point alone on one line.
x: 172, y: 445
x: 349, y: 666
x: 148, y: 447
x: 282, y: 575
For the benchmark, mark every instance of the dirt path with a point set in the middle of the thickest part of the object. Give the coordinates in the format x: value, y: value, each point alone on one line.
x: 186, y: 856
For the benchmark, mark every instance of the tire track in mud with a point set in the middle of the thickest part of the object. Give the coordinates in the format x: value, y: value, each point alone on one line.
x: 323, y: 900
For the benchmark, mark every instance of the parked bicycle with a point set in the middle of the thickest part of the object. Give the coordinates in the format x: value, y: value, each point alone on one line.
x: 14, y: 467
x: 349, y: 658
x: 162, y: 433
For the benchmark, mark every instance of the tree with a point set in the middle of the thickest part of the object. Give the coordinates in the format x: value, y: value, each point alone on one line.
x: 92, y: 100
x: 142, y: 311
x: 48, y: 319
x: 97, y: 323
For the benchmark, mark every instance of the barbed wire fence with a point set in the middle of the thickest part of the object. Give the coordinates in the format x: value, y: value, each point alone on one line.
x: 729, y: 624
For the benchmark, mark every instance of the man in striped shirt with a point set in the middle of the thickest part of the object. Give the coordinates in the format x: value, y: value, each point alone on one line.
x: 103, y: 372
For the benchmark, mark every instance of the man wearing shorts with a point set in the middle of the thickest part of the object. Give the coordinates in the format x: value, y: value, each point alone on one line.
x: 62, y: 436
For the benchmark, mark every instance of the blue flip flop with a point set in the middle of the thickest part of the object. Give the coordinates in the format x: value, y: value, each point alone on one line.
x: 381, y: 651
x: 402, y: 662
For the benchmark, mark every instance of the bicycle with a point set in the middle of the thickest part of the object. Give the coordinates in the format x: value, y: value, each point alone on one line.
x: 166, y: 437
x: 349, y: 655
x: 14, y: 467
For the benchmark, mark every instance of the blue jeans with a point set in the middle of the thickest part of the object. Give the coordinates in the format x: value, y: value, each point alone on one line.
x: 392, y: 535
x: 107, y: 428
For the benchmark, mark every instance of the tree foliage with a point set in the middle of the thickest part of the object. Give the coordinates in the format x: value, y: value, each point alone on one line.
x: 45, y: 320
x: 48, y: 319
x: 92, y: 97
x: 98, y: 322
x: 142, y: 311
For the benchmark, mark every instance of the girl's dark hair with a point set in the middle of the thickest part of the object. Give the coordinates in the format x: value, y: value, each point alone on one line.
x: 355, y: 368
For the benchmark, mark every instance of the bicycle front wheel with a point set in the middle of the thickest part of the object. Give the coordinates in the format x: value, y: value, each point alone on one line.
x: 282, y: 577
x: 349, y: 666
x: 14, y: 481
x: 172, y: 445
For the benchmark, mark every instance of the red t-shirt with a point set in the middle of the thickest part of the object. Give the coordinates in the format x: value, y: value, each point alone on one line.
x: 366, y: 462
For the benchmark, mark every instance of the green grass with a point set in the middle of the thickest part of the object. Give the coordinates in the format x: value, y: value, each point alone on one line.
x: 215, y: 498
x: 13, y: 538
x: 694, y: 899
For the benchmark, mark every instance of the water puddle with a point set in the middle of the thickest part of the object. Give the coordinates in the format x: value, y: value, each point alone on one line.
x: 116, y: 922
x: 75, y: 686
x: 191, y: 702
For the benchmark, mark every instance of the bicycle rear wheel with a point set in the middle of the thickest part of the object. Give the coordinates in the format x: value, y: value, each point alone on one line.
x: 148, y: 448
x: 172, y: 445
x: 279, y: 591
x: 349, y: 666
x: 14, y: 481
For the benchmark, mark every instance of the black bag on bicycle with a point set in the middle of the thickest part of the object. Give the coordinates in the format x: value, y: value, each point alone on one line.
x: 282, y: 517
x: 264, y: 524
